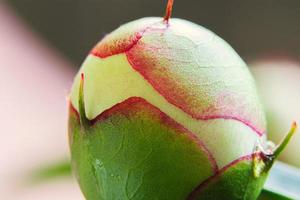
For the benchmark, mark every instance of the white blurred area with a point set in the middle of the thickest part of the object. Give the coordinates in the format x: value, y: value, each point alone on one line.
x: 34, y: 83
x: 278, y: 79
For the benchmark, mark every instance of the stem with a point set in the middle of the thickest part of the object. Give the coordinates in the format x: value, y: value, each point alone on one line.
x: 264, y: 161
x: 83, y: 119
x: 273, y: 157
x: 285, y: 141
x: 169, y: 10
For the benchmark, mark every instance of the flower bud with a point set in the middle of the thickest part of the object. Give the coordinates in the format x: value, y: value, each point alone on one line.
x: 166, y: 109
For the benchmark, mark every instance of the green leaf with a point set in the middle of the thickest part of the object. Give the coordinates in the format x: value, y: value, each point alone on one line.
x: 55, y: 170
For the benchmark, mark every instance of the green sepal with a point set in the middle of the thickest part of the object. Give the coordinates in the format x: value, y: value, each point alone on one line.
x: 134, y: 154
x: 235, y: 183
x: 85, y: 123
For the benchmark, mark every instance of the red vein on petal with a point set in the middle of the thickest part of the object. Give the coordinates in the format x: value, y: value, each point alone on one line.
x: 225, y: 117
x: 181, y: 107
x: 204, y: 118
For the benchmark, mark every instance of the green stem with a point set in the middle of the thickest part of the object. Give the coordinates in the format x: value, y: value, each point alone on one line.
x: 82, y: 114
x: 264, y: 161
x: 282, y: 145
x: 285, y: 141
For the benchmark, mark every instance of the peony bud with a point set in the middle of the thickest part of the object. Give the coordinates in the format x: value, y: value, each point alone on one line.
x: 166, y: 109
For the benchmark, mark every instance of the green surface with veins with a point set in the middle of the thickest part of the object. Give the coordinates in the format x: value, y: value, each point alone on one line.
x: 134, y: 154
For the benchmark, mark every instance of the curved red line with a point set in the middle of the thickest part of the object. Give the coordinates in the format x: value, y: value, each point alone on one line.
x: 163, y: 117
x: 225, y: 117
x: 136, y: 39
x: 203, y: 185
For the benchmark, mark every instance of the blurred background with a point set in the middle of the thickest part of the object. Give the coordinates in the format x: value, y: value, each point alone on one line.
x: 43, y: 43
